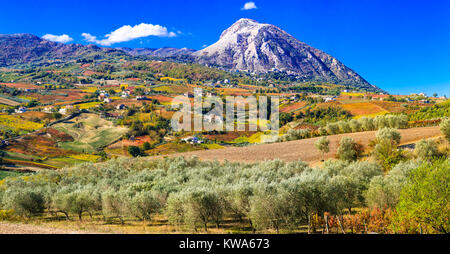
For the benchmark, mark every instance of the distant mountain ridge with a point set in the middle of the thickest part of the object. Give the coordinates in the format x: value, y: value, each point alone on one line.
x: 27, y: 48
x: 245, y: 46
x: 157, y: 52
x: 255, y: 47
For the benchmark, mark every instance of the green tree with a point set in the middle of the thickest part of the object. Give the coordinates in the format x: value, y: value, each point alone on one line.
x: 424, y: 202
x: 323, y: 145
x: 348, y: 149
x: 25, y: 202
x: 445, y: 128
x: 386, y: 151
x: 426, y: 149
x: 134, y: 151
x: 146, y: 146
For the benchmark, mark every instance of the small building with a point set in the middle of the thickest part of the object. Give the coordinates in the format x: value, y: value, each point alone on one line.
x: 141, y: 98
x: 21, y: 110
x: 330, y: 99
x: 120, y: 106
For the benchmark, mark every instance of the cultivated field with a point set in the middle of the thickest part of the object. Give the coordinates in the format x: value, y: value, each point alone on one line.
x: 302, y: 149
x: 89, y: 132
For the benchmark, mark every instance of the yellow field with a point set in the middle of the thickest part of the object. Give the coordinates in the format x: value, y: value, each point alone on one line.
x: 89, y: 89
x: 172, y: 79
x: 352, y: 94
x: 17, y: 124
x: 361, y: 109
x: 85, y: 157
x: 88, y: 105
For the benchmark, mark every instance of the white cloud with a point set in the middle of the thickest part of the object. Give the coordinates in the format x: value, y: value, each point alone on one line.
x: 249, y: 6
x: 57, y: 38
x: 128, y: 33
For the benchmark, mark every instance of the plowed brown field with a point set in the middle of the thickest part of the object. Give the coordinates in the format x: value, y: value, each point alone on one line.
x: 301, y: 149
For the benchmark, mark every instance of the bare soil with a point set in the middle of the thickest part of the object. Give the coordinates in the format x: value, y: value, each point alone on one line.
x: 302, y: 149
x: 19, y: 228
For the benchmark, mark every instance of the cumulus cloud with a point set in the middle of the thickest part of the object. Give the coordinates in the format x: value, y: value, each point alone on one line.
x: 64, y: 38
x: 249, y: 6
x: 128, y: 33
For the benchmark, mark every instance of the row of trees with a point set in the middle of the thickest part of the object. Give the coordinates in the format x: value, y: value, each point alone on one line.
x: 350, y: 126
x: 196, y: 195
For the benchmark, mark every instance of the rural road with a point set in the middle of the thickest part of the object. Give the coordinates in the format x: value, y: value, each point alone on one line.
x: 301, y: 149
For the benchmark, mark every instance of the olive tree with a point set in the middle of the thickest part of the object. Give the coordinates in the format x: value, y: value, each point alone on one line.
x: 77, y: 201
x: 445, y: 128
x: 385, y: 151
x: 426, y: 149
x: 268, y: 211
x: 323, y: 145
x: 25, y: 202
x: 348, y: 149
x: 388, y: 134
x: 384, y: 191
x: 423, y: 202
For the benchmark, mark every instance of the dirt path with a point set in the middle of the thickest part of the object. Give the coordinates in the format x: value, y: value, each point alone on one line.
x: 301, y: 149
x: 18, y: 228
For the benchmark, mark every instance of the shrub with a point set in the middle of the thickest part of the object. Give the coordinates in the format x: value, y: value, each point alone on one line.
x: 7, y: 214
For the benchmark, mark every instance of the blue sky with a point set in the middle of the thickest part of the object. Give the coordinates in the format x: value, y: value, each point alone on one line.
x: 401, y: 46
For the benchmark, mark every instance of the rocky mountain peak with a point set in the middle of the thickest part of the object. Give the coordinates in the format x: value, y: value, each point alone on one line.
x: 260, y: 48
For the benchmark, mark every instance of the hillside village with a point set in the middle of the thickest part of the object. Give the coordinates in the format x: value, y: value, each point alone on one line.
x: 137, y: 96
